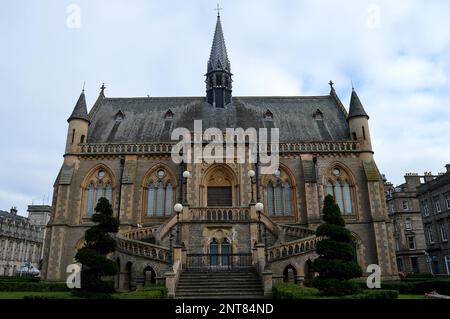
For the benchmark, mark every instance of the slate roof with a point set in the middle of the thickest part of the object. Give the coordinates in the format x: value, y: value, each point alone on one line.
x: 218, y: 58
x: 356, y: 107
x: 80, y: 109
x: 144, y: 119
x: 12, y: 216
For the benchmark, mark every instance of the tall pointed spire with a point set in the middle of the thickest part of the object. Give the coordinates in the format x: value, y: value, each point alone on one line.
x: 356, y: 107
x: 80, y: 109
x: 218, y: 58
x: 218, y: 76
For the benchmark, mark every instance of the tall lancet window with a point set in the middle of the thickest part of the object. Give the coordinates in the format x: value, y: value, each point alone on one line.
x: 279, y: 196
x: 159, y: 194
x: 99, y: 185
x: 340, y: 187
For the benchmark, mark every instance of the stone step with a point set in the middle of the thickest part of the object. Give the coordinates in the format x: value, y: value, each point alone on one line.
x: 215, y: 284
x: 223, y: 294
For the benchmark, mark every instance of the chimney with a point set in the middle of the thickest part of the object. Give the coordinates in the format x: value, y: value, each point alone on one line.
x: 448, y: 168
x: 428, y: 177
x: 13, y: 211
x: 412, y: 180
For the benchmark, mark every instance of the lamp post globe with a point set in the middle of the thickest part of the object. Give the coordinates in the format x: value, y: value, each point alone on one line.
x: 186, y: 174
x: 251, y: 173
x: 178, y: 208
x: 259, y: 207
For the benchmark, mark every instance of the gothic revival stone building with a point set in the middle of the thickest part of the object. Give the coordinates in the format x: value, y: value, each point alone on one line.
x: 121, y: 150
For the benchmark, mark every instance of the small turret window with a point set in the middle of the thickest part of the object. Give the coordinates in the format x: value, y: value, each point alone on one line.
x: 119, y: 116
x: 82, y: 139
x: 364, y: 133
x: 73, y: 135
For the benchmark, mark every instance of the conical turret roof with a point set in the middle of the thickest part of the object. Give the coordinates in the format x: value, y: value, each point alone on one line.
x: 218, y: 59
x: 80, y: 109
x: 356, y: 107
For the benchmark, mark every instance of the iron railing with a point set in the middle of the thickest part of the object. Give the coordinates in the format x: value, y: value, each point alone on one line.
x: 218, y: 262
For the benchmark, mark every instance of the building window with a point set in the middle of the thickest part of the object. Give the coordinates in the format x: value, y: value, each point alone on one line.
x: 405, y: 205
x: 447, y: 264
x: 414, y: 265
x: 391, y: 207
x: 279, y: 198
x: 437, y: 204
x: 408, y: 224
x: 411, y: 243
x: 400, y: 265
x: 447, y: 200
x: 160, y: 194
x: 397, y: 244
x: 443, y: 232
x: 342, y: 195
x: 100, y: 185
x: 426, y: 208
x: 430, y: 234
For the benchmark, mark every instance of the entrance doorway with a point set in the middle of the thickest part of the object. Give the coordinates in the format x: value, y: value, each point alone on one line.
x: 220, y: 196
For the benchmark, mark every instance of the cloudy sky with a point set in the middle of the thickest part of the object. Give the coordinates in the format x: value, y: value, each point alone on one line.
x: 397, y: 53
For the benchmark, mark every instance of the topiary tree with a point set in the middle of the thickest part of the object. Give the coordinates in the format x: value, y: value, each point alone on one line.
x: 92, y: 256
x: 336, y: 262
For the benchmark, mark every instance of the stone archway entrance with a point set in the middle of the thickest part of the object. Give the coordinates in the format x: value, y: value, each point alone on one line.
x: 219, y: 187
x: 290, y: 274
x: 149, y: 276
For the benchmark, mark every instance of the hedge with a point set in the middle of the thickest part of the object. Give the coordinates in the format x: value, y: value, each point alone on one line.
x: 146, y: 292
x: 32, y: 286
x: 293, y: 291
x: 19, y: 279
x: 414, y: 287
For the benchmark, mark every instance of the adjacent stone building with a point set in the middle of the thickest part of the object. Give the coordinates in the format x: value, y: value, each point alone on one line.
x: 406, y: 215
x: 121, y: 150
x: 20, y: 242
x: 434, y: 197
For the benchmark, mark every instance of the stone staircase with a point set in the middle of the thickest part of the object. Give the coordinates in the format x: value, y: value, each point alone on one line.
x: 226, y: 284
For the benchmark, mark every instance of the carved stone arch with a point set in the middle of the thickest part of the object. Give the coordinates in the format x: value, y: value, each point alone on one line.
x: 219, y: 175
x: 87, y: 178
x: 151, y: 175
x: 328, y: 173
x: 286, y: 175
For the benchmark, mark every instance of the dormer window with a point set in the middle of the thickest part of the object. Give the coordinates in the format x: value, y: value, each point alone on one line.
x: 268, y: 115
x: 169, y: 115
x: 119, y: 116
x: 318, y: 115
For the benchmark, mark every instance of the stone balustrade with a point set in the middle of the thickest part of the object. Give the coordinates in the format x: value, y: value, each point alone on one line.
x: 293, y: 248
x: 296, y: 231
x: 141, y: 233
x: 218, y: 214
x: 166, y: 148
x: 138, y: 248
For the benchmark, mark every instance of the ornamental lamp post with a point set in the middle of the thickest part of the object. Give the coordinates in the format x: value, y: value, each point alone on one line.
x: 178, y: 208
x: 251, y: 173
x: 186, y: 175
x: 259, y: 208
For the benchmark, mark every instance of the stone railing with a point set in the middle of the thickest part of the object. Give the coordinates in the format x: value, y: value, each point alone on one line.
x: 107, y: 148
x: 141, y: 233
x: 218, y: 214
x: 166, y: 148
x: 297, y: 247
x: 296, y: 231
x: 139, y: 248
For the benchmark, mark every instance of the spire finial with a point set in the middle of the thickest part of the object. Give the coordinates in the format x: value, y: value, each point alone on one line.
x: 84, y: 83
x: 218, y: 10
x: 103, y: 87
x: 353, y: 87
x: 331, y: 84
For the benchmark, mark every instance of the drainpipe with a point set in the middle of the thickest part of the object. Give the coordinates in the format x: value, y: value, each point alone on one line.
x: 122, y: 164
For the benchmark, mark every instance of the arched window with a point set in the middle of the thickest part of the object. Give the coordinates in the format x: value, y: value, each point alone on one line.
x: 339, y: 187
x: 226, y: 251
x: 279, y: 198
x: 100, y: 185
x: 270, y: 200
x: 214, y: 251
x: 159, y: 195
